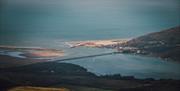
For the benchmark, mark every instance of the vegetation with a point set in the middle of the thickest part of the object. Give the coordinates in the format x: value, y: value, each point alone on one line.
x: 76, y: 78
x: 28, y: 88
x: 18, y: 75
x: 164, y: 44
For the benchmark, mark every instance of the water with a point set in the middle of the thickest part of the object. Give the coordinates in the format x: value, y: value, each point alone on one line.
x: 29, y: 20
x: 13, y: 54
x: 37, y: 23
x: 130, y: 65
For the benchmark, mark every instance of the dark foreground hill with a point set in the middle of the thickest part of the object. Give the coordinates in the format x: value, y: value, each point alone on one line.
x: 76, y: 78
x: 164, y: 44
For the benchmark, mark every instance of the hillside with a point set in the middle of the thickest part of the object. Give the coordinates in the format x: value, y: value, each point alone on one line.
x: 8, y: 61
x: 164, y: 44
x: 28, y: 88
x: 52, y: 75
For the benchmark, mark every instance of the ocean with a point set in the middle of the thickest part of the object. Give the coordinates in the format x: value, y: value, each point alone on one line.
x: 51, y: 23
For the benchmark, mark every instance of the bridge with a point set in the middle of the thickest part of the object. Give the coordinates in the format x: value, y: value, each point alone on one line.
x: 89, y: 56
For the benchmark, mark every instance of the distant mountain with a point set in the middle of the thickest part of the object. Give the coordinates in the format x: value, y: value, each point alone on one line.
x: 164, y: 44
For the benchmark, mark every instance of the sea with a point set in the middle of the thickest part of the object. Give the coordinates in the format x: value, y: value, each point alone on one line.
x: 53, y: 23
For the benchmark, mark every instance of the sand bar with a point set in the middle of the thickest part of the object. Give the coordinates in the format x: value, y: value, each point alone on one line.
x: 96, y: 43
x: 32, y: 52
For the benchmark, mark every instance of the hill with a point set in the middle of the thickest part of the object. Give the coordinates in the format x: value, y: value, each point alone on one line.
x: 29, y: 88
x: 8, y: 61
x: 164, y: 44
x: 75, y: 78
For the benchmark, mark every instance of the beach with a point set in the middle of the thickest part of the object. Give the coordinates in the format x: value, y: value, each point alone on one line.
x: 31, y: 52
x: 97, y: 43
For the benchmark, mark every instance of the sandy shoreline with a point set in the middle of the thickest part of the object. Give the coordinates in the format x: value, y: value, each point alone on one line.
x: 46, y: 53
x: 12, y: 56
x: 31, y: 52
x: 96, y: 43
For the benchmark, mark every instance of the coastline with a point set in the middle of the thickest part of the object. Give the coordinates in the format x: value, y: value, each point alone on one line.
x: 31, y: 52
x: 96, y: 43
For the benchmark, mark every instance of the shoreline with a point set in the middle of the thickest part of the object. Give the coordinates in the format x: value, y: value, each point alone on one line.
x: 31, y: 52
x: 96, y: 43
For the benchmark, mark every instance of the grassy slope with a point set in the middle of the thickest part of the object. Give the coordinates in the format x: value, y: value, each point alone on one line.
x: 29, y: 88
x: 64, y: 75
x: 8, y: 61
x: 70, y: 88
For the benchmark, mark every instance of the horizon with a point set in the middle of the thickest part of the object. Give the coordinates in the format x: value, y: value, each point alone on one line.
x: 69, y: 45
x: 85, y: 19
